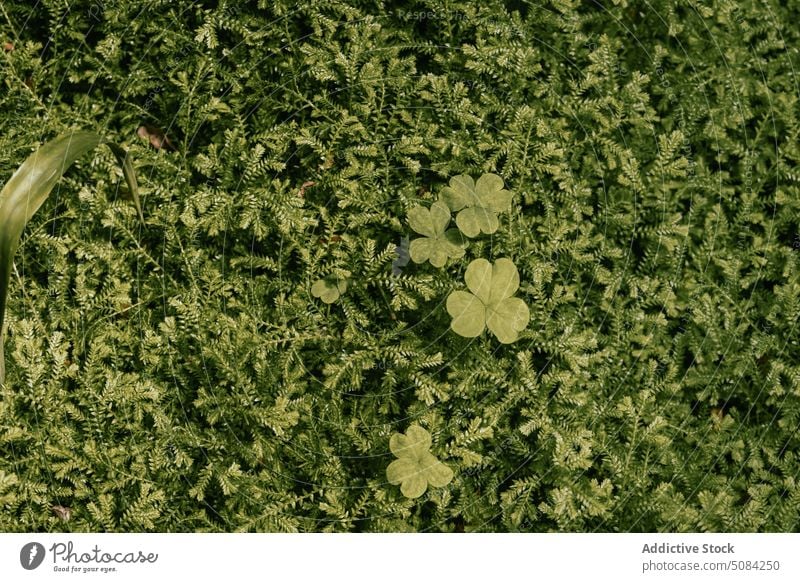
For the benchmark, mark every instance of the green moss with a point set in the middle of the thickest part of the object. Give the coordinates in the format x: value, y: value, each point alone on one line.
x: 179, y: 376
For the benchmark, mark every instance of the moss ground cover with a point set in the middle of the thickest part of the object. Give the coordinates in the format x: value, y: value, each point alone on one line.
x: 243, y: 358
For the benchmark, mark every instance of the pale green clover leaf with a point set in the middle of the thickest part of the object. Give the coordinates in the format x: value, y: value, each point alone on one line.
x: 329, y: 289
x: 415, y: 467
x: 438, y: 243
x: 479, y: 202
x: 491, y: 303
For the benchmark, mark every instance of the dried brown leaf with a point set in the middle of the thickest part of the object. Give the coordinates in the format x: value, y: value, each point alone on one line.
x: 157, y: 138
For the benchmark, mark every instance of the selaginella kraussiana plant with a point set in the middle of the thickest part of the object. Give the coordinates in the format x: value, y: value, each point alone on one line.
x: 29, y: 187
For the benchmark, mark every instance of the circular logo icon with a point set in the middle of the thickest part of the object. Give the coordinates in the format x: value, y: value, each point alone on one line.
x: 31, y: 555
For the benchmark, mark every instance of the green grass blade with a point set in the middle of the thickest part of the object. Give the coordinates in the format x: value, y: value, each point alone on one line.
x: 126, y: 163
x: 28, y: 189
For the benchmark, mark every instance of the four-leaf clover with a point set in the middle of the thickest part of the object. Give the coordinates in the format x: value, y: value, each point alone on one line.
x: 415, y: 467
x: 438, y: 243
x: 329, y: 289
x: 481, y: 201
x: 491, y: 303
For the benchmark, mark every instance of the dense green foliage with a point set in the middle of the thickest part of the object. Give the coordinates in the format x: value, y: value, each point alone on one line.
x: 31, y: 185
x: 181, y: 376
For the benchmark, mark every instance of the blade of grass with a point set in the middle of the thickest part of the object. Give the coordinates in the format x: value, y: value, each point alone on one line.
x: 29, y: 187
x: 126, y: 163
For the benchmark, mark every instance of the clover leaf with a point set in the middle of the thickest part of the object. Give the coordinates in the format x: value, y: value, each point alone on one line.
x: 415, y: 467
x: 491, y: 303
x: 438, y: 244
x: 329, y: 289
x: 479, y: 202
